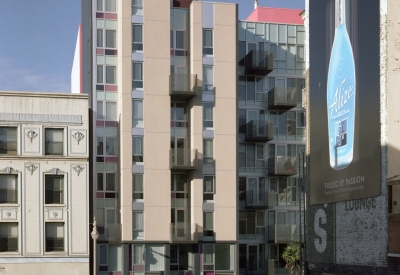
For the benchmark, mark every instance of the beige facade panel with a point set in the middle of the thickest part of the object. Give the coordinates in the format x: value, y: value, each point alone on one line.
x: 48, y: 268
x: 156, y: 151
x: 225, y: 152
x: 157, y: 113
x: 156, y: 76
x: 224, y: 80
x: 156, y: 223
x: 126, y: 201
x: 157, y: 188
x: 225, y: 14
x: 225, y: 116
x: 196, y: 32
x: 157, y: 10
x: 225, y: 224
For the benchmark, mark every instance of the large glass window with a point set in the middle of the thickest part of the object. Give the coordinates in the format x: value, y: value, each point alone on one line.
x: 111, y: 75
x: 208, y: 188
x: 137, y: 75
x: 208, y: 257
x: 54, y: 237
x: 54, y: 141
x: 208, y: 155
x: 207, y: 42
x: 111, y: 146
x: 54, y: 189
x: 224, y: 257
x: 137, y: 38
x: 137, y: 150
x: 111, y: 5
x: 157, y: 254
x: 111, y: 38
x: 137, y: 113
x: 208, y: 120
x: 137, y: 224
x: 8, y: 188
x: 208, y: 78
x: 137, y: 254
x: 137, y: 182
x: 208, y: 226
x: 111, y: 110
x: 137, y: 7
x: 8, y: 237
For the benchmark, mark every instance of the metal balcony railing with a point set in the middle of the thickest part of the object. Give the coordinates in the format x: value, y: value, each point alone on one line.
x: 286, y: 233
x: 259, y: 200
x: 183, y: 232
x: 282, y: 166
x: 182, y: 86
x: 282, y: 98
x: 182, y: 159
x: 259, y: 131
x: 258, y: 63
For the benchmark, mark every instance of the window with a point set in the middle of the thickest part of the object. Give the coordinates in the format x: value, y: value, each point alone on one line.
x: 8, y: 140
x: 137, y: 7
x: 100, y: 112
x: 54, y: 236
x: 224, y: 257
x: 111, y: 110
x: 100, y: 146
x: 8, y: 189
x: 8, y: 237
x: 137, y: 38
x: 208, y: 157
x: 110, y: 74
x: 103, y: 254
x: 208, y: 188
x: 137, y: 224
x: 137, y: 113
x: 111, y: 143
x: 207, y: 42
x: 54, y: 189
x: 137, y: 75
x: 106, y: 5
x: 208, y: 78
x: 54, y: 141
x: 106, y: 182
x: 208, y: 226
x: 111, y: 77
x: 110, y: 38
x: 137, y: 182
x: 137, y: 149
x: 138, y: 254
x: 208, y: 123
x: 208, y: 257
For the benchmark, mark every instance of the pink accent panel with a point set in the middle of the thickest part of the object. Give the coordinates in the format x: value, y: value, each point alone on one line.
x: 100, y: 195
x: 111, y: 159
x: 110, y: 16
x: 115, y: 273
x: 99, y: 123
x: 111, y: 88
x: 208, y: 273
x: 111, y: 124
x: 276, y: 15
x: 99, y: 15
x: 100, y: 51
x: 138, y: 268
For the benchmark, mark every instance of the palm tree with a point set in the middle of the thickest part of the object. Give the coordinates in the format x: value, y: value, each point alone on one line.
x: 291, y: 255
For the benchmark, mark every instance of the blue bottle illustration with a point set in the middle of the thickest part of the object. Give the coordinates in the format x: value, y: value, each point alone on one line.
x: 341, y: 94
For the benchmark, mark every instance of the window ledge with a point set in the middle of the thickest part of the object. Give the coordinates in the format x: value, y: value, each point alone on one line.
x: 9, y: 253
x: 55, y: 253
x: 395, y: 255
x: 9, y: 205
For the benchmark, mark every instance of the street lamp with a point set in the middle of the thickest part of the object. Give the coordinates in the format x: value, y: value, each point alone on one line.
x: 95, y: 236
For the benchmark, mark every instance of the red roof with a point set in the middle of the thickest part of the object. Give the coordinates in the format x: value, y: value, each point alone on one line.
x: 276, y: 15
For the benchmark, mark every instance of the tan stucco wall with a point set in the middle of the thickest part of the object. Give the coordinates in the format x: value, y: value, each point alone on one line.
x: 46, y: 268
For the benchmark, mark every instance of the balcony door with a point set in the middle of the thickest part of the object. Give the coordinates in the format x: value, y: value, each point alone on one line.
x: 256, y: 255
x: 256, y: 190
x: 281, y: 228
x: 179, y: 206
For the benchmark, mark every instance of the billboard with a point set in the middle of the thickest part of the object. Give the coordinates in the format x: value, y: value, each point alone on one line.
x: 344, y: 100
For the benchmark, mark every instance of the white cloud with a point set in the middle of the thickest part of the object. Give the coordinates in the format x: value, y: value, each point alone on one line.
x: 16, y: 79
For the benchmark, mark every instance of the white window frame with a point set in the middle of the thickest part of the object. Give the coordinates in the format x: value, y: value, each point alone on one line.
x: 139, y: 231
x: 139, y: 117
x: 208, y: 47
x: 64, y: 189
x: 64, y: 239
x: 139, y: 8
x: 137, y: 154
x: 213, y: 256
x: 137, y: 43
x: 208, y: 160
x: 64, y: 130
x: 105, y: 189
x: 104, y: 38
x: 10, y: 236
x: 207, y: 84
x: 16, y: 188
x: 138, y: 80
x: 16, y: 138
x: 137, y: 192
x: 104, y: 73
x: 212, y: 187
x: 204, y: 116
x: 103, y: 6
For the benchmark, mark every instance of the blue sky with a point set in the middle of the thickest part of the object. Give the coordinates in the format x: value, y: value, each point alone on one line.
x: 39, y: 37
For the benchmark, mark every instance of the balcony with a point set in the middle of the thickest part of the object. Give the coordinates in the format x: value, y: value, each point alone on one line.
x: 182, y: 160
x: 183, y: 232
x: 182, y: 86
x: 110, y: 232
x: 259, y: 131
x: 259, y: 200
x: 286, y: 233
x: 281, y: 98
x: 282, y: 166
x: 258, y: 63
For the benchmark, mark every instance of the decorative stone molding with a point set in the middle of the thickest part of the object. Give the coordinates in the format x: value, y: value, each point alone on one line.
x: 31, y: 135
x: 54, y: 171
x: 78, y: 136
x: 78, y: 169
x: 31, y: 168
x: 8, y: 170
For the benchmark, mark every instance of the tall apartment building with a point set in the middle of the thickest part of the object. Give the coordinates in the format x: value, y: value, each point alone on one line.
x: 44, y: 183
x: 164, y: 136
x: 271, y: 136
